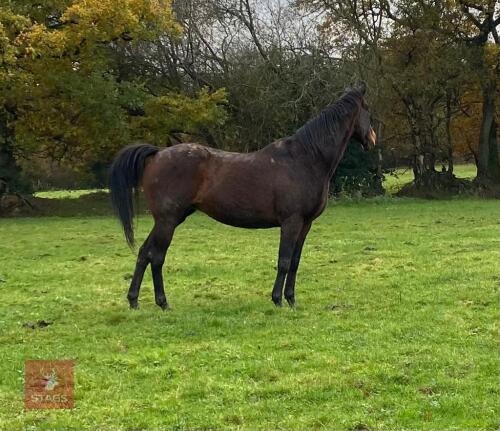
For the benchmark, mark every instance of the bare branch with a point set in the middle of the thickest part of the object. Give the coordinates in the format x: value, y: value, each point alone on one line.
x: 472, y: 18
x: 471, y: 5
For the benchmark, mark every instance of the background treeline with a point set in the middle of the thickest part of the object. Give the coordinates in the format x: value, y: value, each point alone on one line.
x: 80, y: 79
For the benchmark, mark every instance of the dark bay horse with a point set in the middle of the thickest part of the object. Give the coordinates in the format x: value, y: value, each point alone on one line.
x: 285, y: 184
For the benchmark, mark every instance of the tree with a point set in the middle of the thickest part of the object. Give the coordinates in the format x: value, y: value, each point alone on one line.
x: 413, y: 52
x: 477, y: 23
x: 64, y: 95
x: 473, y: 24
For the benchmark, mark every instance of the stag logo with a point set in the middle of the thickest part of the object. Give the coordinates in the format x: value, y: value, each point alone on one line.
x: 48, y: 384
x: 50, y: 380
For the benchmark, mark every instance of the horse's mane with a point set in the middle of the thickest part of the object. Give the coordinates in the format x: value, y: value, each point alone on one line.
x: 322, y: 128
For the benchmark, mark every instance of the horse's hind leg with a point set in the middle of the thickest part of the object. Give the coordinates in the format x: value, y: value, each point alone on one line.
x: 161, y: 237
x: 152, y: 252
x: 140, y: 267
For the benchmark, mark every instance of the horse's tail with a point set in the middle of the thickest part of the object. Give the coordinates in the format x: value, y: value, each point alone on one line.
x: 124, y: 178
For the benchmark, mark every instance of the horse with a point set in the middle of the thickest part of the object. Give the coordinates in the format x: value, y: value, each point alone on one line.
x: 284, y: 184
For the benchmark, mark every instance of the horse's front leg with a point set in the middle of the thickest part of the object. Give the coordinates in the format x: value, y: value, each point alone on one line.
x: 294, y: 265
x: 290, y: 230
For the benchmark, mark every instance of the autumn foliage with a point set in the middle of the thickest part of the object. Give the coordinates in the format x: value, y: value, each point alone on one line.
x: 63, y: 95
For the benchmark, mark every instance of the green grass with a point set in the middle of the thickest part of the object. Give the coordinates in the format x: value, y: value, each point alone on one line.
x: 66, y: 194
x: 396, y: 327
x: 395, y: 182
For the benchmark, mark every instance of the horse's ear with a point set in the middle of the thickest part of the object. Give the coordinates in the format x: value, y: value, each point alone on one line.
x: 362, y: 87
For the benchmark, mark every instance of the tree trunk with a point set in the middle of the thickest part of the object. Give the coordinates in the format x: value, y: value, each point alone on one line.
x: 424, y: 158
x: 449, y: 142
x: 10, y: 173
x: 488, y: 168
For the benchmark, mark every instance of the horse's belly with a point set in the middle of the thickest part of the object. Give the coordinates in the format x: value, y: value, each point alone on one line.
x: 234, y: 213
x: 244, y: 222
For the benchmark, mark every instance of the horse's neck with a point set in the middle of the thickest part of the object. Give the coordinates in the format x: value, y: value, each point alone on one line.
x: 333, y: 152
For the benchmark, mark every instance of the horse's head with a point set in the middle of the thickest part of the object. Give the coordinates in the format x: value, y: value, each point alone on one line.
x: 363, y: 130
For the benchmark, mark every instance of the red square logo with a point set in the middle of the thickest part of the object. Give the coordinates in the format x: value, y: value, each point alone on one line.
x: 48, y: 384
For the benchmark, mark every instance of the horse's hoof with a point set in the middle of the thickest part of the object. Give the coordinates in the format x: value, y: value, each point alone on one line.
x: 164, y: 305
x: 134, y: 304
x: 291, y: 302
x: 277, y: 302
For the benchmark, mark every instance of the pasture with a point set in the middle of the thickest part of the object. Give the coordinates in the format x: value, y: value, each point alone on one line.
x: 396, y: 325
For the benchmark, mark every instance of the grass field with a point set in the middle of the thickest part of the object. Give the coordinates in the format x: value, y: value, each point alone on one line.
x: 397, y: 324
